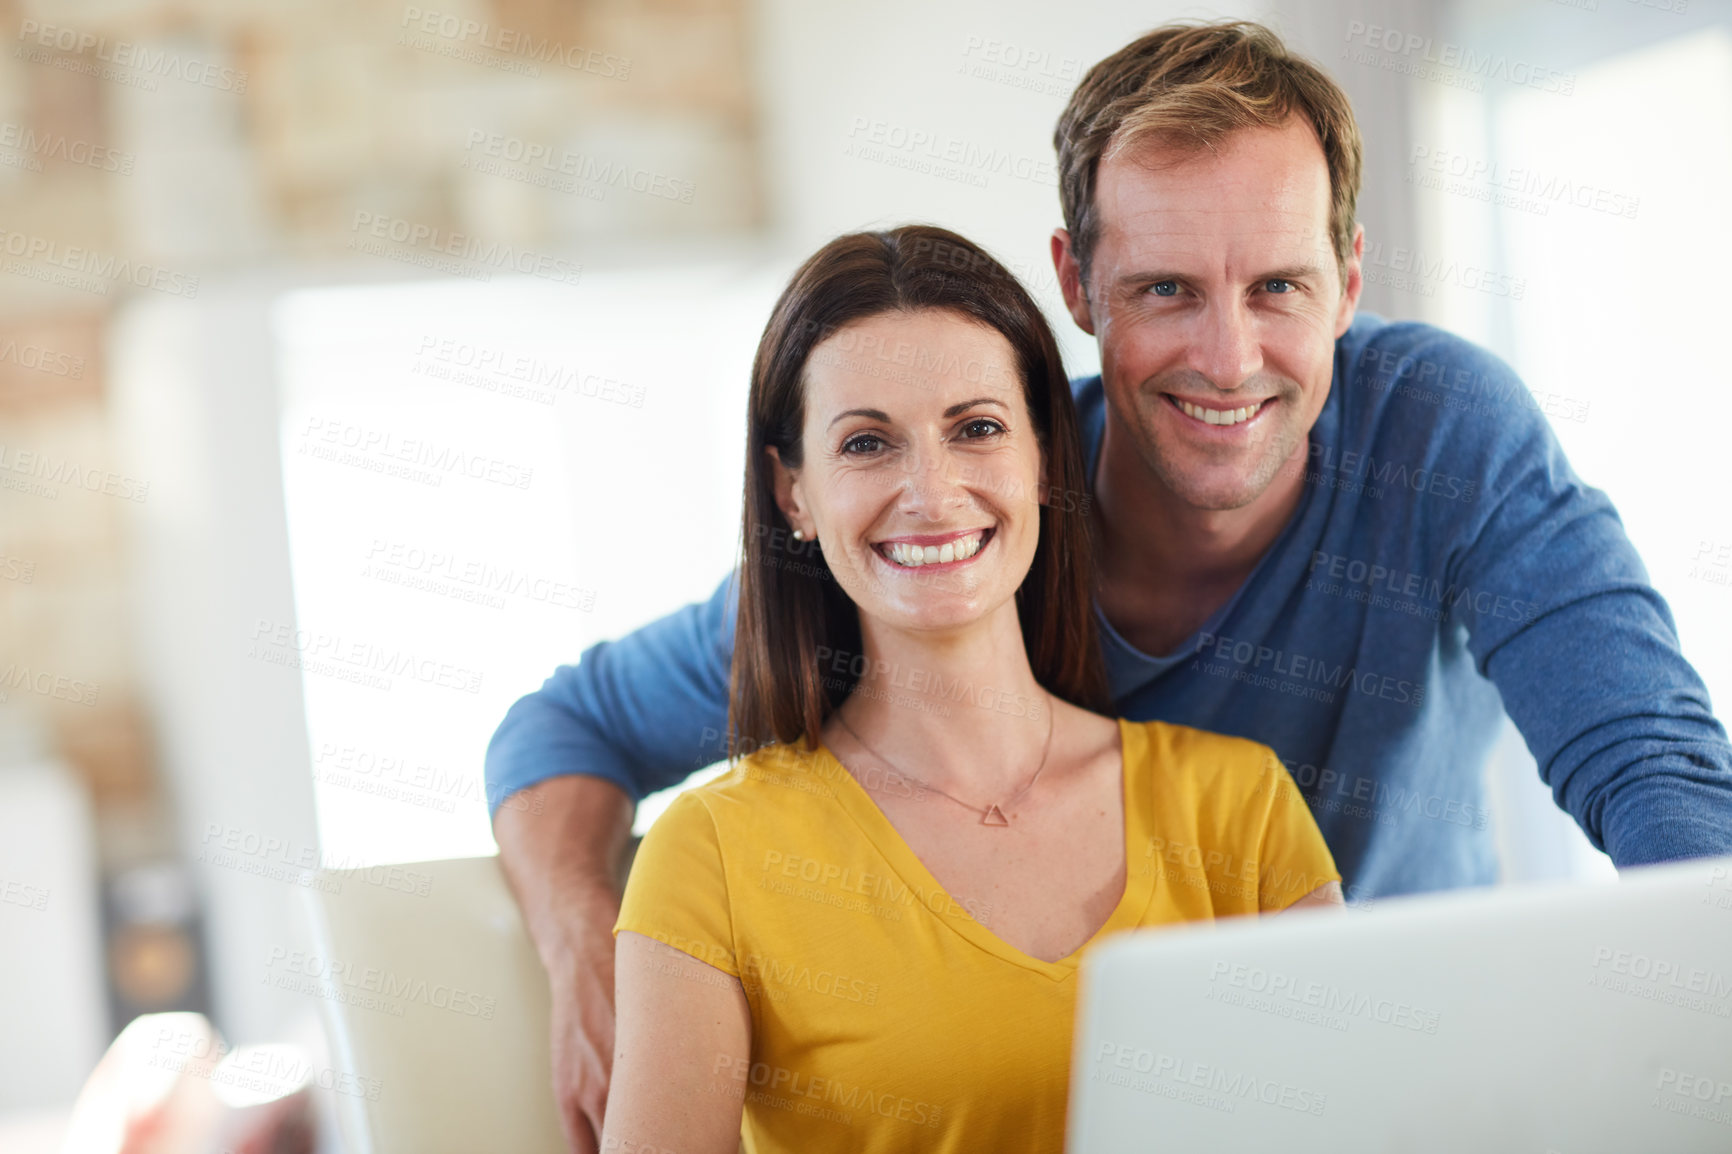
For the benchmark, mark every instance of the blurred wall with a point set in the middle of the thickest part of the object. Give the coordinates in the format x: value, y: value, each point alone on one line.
x: 165, y: 171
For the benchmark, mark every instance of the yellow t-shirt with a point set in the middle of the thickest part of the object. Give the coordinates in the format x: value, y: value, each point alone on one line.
x: 884, y: 1016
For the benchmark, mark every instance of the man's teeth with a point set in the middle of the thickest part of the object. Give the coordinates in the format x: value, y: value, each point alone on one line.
x: 1219, y: 416
x: 914, y: 556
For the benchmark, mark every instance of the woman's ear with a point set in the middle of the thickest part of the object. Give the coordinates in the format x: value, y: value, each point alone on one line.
x: 788, y: 496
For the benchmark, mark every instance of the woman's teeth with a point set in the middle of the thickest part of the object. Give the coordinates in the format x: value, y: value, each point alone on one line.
x: 1219, y: 416
x: 914, y: 556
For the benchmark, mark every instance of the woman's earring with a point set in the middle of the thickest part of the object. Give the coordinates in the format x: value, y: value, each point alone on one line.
x: 799, y: 536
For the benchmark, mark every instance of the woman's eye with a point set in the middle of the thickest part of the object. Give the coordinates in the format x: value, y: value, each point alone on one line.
x: 863, y: 443
x: 981, y: 427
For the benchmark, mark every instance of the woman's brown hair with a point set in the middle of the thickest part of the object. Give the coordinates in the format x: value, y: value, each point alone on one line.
x: 797, y: 648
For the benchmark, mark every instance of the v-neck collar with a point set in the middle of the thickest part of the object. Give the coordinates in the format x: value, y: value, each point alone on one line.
x: 1137, y: 794
x: 1129, y: 669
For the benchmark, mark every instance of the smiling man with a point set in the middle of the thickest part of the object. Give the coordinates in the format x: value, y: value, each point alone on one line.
x: 1352, y: 540
x: 1217, y: 301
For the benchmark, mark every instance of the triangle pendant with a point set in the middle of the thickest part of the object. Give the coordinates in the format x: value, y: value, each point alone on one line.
x: 994, y: 816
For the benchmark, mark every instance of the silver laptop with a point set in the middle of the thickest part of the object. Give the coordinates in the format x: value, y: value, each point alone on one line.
x: 1544, y: 1019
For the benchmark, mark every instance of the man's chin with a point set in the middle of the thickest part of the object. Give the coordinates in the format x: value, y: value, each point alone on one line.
x: 1217, y: 489
x: 1216, y: 499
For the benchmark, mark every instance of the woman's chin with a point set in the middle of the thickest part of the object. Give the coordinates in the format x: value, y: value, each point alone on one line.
x: 932, y: 611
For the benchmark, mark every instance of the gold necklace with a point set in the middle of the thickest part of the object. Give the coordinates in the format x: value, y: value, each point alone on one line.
x: 990, y: 815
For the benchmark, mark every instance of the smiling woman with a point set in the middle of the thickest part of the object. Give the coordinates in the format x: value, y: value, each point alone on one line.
x: 868, y: 931
x: 980, y: 399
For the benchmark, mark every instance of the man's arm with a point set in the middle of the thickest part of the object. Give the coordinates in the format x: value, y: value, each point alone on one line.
x: 642, y: 712
x: 1583, y: 650
x: 565, y: 857
x: 564, y: 771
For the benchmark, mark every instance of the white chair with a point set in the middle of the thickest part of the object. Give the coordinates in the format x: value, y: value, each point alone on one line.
x: 53, y: 1005
x: 437, y: 1004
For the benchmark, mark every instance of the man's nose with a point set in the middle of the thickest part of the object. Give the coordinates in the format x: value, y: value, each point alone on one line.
x: 1225, y: 348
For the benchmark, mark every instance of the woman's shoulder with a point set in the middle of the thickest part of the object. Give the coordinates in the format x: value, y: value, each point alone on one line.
x: 1214, y: 763
x: 777, y: 795
x: 769, y: 779
x: 1205, y: 746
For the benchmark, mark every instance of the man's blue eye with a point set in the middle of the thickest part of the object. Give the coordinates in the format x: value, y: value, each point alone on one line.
x: 1164, y: 288
x: 1270, y: 285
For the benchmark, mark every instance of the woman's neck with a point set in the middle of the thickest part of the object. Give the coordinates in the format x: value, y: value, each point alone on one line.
x: 960, y: 711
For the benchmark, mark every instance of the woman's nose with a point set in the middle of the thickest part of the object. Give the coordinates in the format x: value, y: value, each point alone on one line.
x: 931, y: 480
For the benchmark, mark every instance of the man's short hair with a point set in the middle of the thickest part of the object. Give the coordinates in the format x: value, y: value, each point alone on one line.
x: 1192, y: 85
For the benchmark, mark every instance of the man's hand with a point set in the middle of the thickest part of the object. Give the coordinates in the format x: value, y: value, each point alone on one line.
x: 583, y: 1019
x: 563, y: 844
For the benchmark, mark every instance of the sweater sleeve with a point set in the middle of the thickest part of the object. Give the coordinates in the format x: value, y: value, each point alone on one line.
x: 1560, y: 615
x: 643, y: 712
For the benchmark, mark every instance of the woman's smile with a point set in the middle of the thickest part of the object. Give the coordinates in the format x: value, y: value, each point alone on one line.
x: 929, y: 550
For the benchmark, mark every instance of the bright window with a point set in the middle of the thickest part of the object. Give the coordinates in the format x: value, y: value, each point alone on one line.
x: 482, y: 480
x: 1607, y: 207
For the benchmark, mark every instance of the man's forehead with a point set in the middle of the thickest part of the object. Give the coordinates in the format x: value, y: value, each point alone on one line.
x: 1147, y: 234
x: 1257, y: 162
x: 1261, y: 189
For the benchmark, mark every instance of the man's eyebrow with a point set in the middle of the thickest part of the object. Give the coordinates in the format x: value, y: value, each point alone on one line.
x: 1150, y: 277
x: 1287, y: 272
x: 1293, y: 272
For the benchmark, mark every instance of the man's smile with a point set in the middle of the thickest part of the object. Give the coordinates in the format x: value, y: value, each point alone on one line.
x: 1216, y: 416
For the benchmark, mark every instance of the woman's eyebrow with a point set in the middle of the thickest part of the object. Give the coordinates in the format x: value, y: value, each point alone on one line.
x: 869, y: 414
x: 953, y: 410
